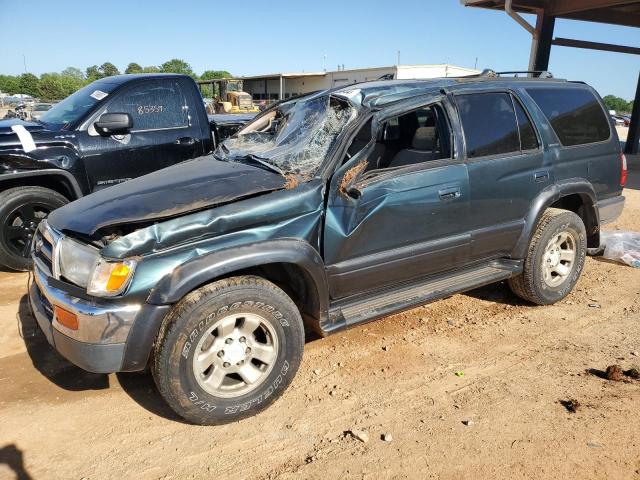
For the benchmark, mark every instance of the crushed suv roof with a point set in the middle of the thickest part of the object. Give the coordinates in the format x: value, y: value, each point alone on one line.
x: 384, y: 91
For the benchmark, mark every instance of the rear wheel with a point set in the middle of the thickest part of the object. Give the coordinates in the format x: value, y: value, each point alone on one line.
x: 21, y: 210
x: 555, y: 258
x: 228, y: 350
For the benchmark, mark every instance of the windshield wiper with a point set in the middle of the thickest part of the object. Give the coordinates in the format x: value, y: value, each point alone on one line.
x: 260, y: 163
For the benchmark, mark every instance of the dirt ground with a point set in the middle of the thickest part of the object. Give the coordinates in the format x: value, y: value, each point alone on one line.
x: 503, y: 417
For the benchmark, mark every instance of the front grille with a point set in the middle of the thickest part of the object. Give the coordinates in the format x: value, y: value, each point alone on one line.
x: 48, y: 308
x: 47, y: 249
x: 43, y: 248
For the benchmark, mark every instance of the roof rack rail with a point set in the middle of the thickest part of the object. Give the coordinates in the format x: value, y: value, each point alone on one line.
x: 535, y: 73
x: 488, y: 73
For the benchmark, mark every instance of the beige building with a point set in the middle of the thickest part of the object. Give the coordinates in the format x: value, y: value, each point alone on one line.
x: 284, y: 85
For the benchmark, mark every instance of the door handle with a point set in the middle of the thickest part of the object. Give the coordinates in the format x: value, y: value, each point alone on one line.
x: 541, y: 176
x: 185, y: 141
x: 449, y: 193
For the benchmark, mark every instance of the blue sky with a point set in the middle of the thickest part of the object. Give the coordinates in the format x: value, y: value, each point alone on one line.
x: 250, y: 37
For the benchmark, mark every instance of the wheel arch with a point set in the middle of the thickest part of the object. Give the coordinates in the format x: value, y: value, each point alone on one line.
x: 292, y: 264
x: 59, y: 181
x: 576, y: 195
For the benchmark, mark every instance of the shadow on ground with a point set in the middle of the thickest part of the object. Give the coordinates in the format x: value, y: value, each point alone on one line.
x: 142, y: 390
x: 497, y: 293
x: 12, y: 457
x: 139, y: 386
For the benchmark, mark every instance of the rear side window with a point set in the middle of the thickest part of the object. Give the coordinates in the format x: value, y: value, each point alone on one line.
x: 528, y: 139
x: 152, y: 106
x: 575, y: 114
x: 489, y: 124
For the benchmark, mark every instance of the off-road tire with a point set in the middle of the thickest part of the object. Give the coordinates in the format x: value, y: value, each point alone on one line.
x: 187, y: 323
x: 530, y: 285
x: 13, y: 199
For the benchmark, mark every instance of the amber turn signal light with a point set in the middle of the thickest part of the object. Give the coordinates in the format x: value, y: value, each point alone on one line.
x: 119, y: 275
x: 68, y: 319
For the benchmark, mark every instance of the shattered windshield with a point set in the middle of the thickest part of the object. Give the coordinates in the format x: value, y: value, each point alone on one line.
x: 292, y: 138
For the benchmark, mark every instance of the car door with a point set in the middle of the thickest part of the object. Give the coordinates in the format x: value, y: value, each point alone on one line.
x: 507, y: 169
x: 394, y: 224
x: 163, y: 133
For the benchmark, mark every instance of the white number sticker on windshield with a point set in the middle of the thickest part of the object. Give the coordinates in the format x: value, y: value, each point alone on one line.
x: 148, y: 109
x: 98, y: 94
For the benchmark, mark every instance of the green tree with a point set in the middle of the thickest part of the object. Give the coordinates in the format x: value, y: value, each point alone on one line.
x: 211, y: 74
x: 71, y: 79
x: 29, y: 84
x: 93, y: 73
x: 108, y: 69
x: 73, y: 72
x: 176, y: 65
x: 69, y: 84
x: 620, y: 105
x: 9, y: 84
x: 151, y: 69
x: 51, y: 86
x: 133, y: 68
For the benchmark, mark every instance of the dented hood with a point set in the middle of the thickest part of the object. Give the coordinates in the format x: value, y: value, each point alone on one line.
x: 189, y: 186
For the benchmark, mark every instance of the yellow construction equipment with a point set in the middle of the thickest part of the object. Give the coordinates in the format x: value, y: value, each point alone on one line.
x: 228, y: 96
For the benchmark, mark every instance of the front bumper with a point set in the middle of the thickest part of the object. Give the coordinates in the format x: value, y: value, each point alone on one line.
x: 112, y: 335
x: 87, y: 347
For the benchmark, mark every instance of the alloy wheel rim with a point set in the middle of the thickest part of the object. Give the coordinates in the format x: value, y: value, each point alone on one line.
x: 21, y: 225
x: 558, y: 259
x: 235, y: 355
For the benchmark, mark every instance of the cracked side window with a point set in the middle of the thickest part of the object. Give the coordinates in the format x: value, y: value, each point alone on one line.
x: 152, y: 106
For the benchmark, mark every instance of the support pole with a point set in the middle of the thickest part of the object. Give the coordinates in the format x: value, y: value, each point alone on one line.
x: 633, y: 137
x: 535, y: 41
x: 543, y: 50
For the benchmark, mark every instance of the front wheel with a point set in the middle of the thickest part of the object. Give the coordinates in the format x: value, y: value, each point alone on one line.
x: 555, y: 258
x: 21, y: 210
x: 228, y: 350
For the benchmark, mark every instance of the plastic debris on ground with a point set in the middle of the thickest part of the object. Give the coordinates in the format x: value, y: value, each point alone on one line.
x: 621, y: 246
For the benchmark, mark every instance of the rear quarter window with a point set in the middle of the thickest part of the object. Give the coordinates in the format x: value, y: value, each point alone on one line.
x: 574, y: 113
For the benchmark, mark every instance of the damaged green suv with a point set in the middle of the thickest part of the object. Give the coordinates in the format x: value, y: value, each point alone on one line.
x: 326, y: 211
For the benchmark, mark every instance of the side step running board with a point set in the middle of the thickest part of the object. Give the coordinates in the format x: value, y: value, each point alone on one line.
x: 351, y: 311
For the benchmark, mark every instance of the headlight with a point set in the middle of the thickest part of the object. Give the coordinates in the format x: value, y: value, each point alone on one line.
x: 110, y: 278
x: 76, y: 261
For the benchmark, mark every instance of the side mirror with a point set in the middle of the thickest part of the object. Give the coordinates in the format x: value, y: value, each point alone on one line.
x: 113, y: 124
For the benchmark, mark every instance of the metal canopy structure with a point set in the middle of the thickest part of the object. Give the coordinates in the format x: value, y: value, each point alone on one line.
x: 616, y: 12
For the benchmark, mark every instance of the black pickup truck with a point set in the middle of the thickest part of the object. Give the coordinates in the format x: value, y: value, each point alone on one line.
x: 108, y: 132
